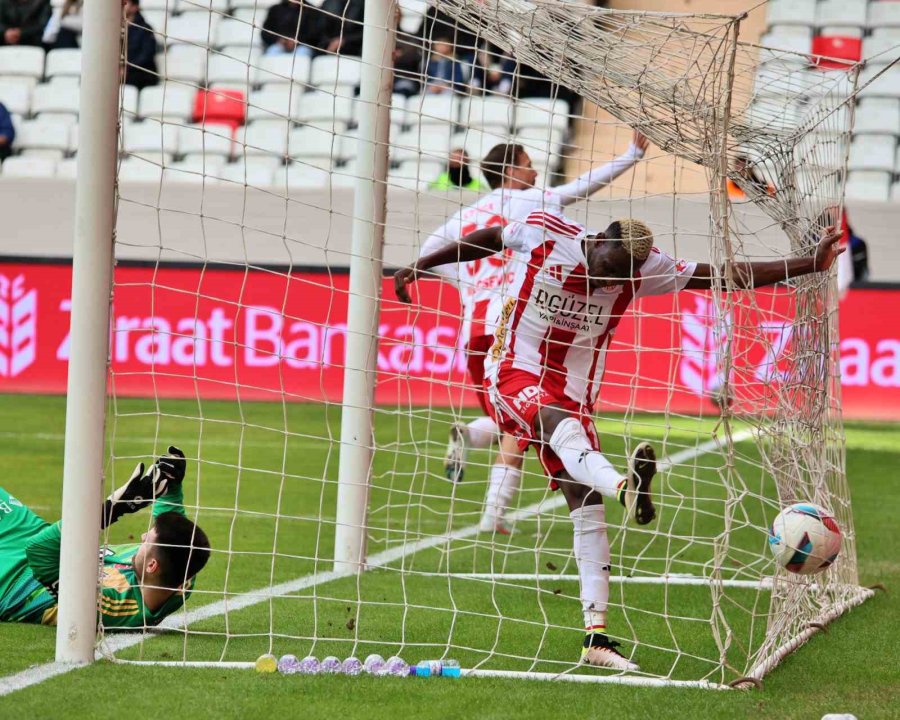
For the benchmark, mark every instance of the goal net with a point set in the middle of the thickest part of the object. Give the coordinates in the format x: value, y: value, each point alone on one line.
x: 237, y: 198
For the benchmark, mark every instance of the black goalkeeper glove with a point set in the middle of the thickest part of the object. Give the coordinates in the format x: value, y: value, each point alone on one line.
x: 143, y: 488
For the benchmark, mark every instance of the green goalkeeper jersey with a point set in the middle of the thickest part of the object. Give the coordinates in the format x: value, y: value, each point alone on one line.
x: 29, y: 570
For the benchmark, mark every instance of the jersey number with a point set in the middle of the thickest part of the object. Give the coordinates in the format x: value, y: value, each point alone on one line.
x: 498, y: 260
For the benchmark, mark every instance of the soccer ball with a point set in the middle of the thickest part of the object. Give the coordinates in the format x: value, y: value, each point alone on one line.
x: 805, y: 538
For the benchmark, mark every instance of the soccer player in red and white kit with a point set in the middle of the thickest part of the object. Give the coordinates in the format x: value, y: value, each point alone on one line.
x: 481, y: 283
x: 571, y: 289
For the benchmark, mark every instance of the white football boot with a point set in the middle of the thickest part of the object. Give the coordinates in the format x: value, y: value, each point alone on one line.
x: 600, y: 651
x: 457, y: 452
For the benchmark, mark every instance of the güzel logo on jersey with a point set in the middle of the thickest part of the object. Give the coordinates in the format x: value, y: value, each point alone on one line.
x: 18, y: 326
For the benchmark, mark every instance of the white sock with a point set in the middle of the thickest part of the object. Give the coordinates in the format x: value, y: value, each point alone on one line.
x: 585, y: 465
x: 483, y: 432
x: 502, y: 488
x: 592, y: 557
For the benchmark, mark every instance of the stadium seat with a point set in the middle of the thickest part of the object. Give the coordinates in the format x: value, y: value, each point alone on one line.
x: 805, y: 32
x: 312, y: 141
x: 844, y: 50
x: 347, y: 148
x: 433, y: 109
x: 430, y: 141
x: 195, y: 169
x: 167, y: 6
x: 785, y: 44
x: 225, y: 70
x: 169, y: 101
x: 220, y: 105
x: 398, y: 110
x: 279, y: 69
x: 895, y: 192
x: 130, y: 100
x: 273, y: 102
x: 157, y: 20
x: 303, y: 176
x: 28, y: 167
x: 63, y: 62
x: 871, y: 186
x: 236, y: 33
x: 184, y: 63
x: 260, y: 6
x: 888, y: 85
x: 149, y: 138
x: 325, y: 109
x: 195, y: 28
x: 15, y: 96
x: 424, y: 171
x: 775, y: 115
x: 872, y: 152
x: 216, y: 6
x: 541, y: 136
x: 210, y: 139
x: 245, y: 174
x: 884, y: 13
x: 841, y: 12
x: 22, y: 62
x: 332, y: 71
x: 412, y: 13
x: 493, y: 113
x: 45, y: 139
x: 878, y: 115
x: 268, y: 138
x: 532, y: 114
x: 477, y: 143
x: 791, y: 12
x: 55, y: 98
x: 880, y: 45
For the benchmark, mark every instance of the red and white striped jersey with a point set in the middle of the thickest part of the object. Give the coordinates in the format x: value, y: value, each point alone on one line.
x: 481, y: 283
x: 552, y: 325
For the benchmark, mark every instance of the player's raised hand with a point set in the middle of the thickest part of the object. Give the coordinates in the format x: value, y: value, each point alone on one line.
x: 139, y: 492
x: 640, y: 141
x: 828, y: 249
x: 403, y: 278
x: 172, y: 466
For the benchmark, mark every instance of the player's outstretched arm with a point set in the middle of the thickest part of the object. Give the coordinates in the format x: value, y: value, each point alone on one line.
x: 473, y: 246
x: 597, y: 178
x: 759, y: 274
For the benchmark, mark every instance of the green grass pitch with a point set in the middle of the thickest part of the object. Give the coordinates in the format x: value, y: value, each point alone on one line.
x: 250, y: 463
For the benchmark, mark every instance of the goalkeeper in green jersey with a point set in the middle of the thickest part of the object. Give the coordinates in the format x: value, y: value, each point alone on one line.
x: 139, y: 584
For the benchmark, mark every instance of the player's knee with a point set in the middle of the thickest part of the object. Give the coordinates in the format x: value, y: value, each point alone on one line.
x: 548, y: 419
x: 576, y: 494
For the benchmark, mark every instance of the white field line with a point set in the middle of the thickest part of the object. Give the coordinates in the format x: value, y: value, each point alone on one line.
x: 180, y: 621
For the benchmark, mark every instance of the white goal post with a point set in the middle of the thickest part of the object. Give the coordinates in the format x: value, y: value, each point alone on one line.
x: 350, y: 539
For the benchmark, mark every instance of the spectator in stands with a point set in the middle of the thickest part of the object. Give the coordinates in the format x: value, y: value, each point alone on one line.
x: 22, y: 22
x: 444, y: 73
x: 458, y: 174
x: 7, y: 133
x: 64, y: 28
x: 140, y: 65
x: 290, y: 28
x: 339, y: 26
x: 438, y: 26
x: 407, y: 62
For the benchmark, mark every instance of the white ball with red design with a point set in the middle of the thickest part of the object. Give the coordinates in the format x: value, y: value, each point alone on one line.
x: 805, y: 538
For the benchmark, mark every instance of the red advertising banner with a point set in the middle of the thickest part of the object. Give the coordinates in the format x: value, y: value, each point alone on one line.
x: 268, y: 335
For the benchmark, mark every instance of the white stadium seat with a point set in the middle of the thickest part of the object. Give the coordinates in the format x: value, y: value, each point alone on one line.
x: 895, y: 192
x: 888, y: 85
x: 225, y: 70
x: 217, y: 6
x: 235, y: 33
x: 273, y: 102
x: 28, y: 167
x: 163, y: 5
x: 195, y: 28
x: 63, y: 62
x: 130, y: 99
x: 531, y: 113
x: 211, y: 139
x: 325, y: 109
x: 55, y: 98
x: 884, y: 14
x: 791, y: 12
x: 279, y: 69
x: 245, y: 174
x: 25, y: 62
x: 878, y: 115
x: 493, y: 113
x: 49, y: 139
x: 67, y: 168
x: 872, y: 152
x: 398, y: 109
x: 424, y: 171
x: 304, y: 176
x: 478, y: 144
x: 347, y: 147
x: 433, y: 109
x: 15, y: 96
x: 841, y: 12
x: 412, y: 13
x: 149, y: 138
x: 805, y: 32
x: 331, y: 71
x: 260, y: 6
x: 309, y: 141
x: 168, y: 101
x: 268, y: 138
x: 186, y: 63
x: 138, y: 170
x: 881, y: 48
x: 157, y: 21
x: 868, y: 185
x: 195, y: 169
x: 432, y: 141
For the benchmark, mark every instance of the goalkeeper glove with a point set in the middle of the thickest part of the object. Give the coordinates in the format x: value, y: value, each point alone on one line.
x: 143, y: 488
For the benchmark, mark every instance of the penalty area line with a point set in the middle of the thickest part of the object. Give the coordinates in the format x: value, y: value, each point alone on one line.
x: 181, y: 620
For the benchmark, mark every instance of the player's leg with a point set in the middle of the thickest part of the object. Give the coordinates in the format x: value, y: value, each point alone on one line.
x: 592, y: 556
x: 505, y: 479
x: 566, y: 435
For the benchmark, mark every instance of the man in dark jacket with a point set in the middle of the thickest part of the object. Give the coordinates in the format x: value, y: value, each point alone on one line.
x: 290, y: 27
x: 140, y: 66
x: 339, y: 26
x: 22, y: 22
